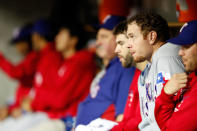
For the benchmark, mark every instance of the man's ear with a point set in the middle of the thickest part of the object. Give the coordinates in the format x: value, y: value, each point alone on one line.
x: 152, y: 36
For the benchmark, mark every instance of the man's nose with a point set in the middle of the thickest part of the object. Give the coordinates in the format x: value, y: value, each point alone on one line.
x: 181, y: 52
x: 98, y: 43
x: 117, y: 50
x: 129, y: 46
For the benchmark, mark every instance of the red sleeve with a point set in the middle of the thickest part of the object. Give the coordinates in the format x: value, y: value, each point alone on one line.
x: 25, y: 68
x: 180, y: 116
x: 164, y: 108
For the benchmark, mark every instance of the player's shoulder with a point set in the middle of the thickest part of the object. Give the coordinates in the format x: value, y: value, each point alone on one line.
x: 167, y: 50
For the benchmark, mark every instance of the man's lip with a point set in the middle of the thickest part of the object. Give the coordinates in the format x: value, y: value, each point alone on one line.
x: 184, y: 60
x: 184, y: 63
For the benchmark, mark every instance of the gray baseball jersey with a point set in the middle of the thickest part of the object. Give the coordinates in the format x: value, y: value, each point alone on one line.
x: 165, y: 62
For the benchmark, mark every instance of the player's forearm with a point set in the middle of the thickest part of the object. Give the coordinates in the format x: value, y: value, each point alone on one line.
x: 164, y: 109
x: 11, y: 70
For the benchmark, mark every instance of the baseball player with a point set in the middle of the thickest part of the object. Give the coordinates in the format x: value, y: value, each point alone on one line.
x: 36, y: 102
x: 25, y: 70
x: 111, y: 89
x: 147, y: 33
x: 131, y: 116
x: 176, y: 106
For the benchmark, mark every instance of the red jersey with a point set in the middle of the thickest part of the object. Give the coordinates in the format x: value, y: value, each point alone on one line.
x: 48, y: 63
x: 178, y: 114
x: 132, y: 115
x: 64, y: 85
x: 72, y: 83
x: 23, y: 72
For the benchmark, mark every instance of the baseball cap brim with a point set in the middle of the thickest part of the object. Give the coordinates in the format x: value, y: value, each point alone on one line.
x: 187, y: 35
x: 111, y: 21
x: 180, y: 41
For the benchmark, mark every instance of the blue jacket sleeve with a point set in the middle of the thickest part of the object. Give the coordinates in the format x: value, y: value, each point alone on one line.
x: 123, y: 89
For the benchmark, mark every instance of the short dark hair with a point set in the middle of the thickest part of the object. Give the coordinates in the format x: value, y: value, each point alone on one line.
x: 120, y: 28
x: 76, y: 30
x: 150, y: 21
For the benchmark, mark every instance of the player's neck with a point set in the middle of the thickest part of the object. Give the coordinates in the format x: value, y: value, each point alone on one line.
x: 141, y: 66
x: 106, y: 62
x: 156, y: 46
x: 68, y: 53
x: 42, y: 44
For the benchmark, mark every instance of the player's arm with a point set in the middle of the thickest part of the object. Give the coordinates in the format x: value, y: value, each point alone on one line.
x: 165, y: 103
x: 26, y: 67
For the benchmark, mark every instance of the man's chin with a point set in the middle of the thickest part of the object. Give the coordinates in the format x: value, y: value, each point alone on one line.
x: 138, y: 60
x: 100, y: 54
x: 187, y: 69
x: 126, y: 65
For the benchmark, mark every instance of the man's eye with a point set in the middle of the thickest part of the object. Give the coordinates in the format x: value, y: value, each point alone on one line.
x: 131, y: 36
x: 121, y: 43
x: 186, y: 46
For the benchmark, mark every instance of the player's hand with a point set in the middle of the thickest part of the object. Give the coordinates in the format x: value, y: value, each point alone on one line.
x: 3, y: 113
x: 119, y: 117
x: 26, y: 104
x: 177, y: 82
x: 16, y: 112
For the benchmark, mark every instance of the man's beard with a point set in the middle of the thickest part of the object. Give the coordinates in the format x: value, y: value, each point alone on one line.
x: 139, y: 59
x: 128, y: 61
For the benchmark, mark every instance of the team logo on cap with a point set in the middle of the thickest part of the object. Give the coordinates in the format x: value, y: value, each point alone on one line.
x: 183, y: 26
x: 106, y: 18
x: 16, y: 32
